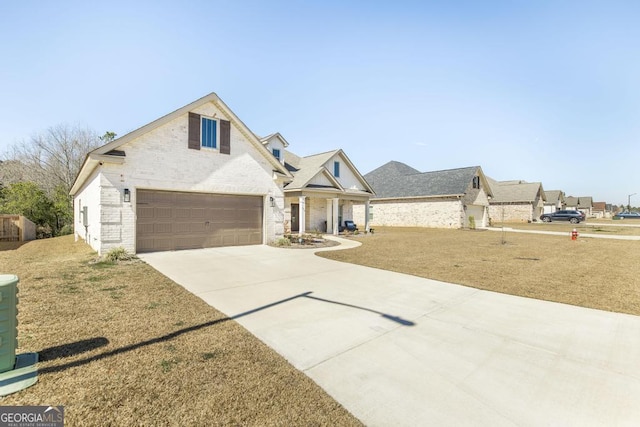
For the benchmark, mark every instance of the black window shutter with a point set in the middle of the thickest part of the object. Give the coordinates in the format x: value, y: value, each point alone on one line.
x: 225, y: 137
x: 194, y: 131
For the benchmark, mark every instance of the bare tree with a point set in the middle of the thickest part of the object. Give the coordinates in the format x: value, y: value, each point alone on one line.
x: 53, y: 157
x: 12, y: 171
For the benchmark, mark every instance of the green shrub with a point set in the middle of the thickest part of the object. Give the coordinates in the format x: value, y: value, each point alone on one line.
x: 472, y: 222
x: 283, y: 241
x: 118, y: 254
x: 65, y: 230
x: 305, y: 239
x: 43, y: 232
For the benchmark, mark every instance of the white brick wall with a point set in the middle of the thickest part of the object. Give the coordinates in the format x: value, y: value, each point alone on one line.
x: 161, y: 160
x: 88, y: 196
x: 412, y: 213
x: 316, y: 214
x: 511, y: 213
x: 347, y: 213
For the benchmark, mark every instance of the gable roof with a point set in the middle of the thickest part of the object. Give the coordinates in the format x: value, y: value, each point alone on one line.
x: 580, y: 202
x: 398, y: 180
x: 106, y: 152
x: 516, y: 191
x: 553, y: 196
x: 305, y: 169
x: 390, y: 170
x: 571, y: 201
x: 585, y: 202
x: 278, y: 135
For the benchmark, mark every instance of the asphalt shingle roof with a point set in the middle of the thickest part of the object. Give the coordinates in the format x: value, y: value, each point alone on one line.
x: 514, y: 191
x: 581, y: 201
x: 397, y: 180
x: 305, y: 167
x: 552, y: 196
x: 585, y: 202
x: 571, y: 201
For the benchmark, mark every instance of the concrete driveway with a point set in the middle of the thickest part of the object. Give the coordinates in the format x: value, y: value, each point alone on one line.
x: 400, y: 350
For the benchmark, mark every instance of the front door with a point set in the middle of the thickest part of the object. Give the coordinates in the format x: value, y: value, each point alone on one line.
x: 295, y: 217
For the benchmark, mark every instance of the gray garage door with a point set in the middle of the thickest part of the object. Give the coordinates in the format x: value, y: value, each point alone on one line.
x: 168, y: 220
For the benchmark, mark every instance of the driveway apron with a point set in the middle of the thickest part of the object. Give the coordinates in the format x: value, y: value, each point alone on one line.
x: 400, y: 350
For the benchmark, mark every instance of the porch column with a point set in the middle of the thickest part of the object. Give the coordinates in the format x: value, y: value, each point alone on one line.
x: 336, y: 203
x: 302, y: 214
x: 329, y: 216
x: 366, y: 215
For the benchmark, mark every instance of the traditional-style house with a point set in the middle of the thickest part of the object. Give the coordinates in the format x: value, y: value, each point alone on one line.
x: 554, y: 201
x: 516, y: 201
x: 453, y: 198
x: 199, y: 177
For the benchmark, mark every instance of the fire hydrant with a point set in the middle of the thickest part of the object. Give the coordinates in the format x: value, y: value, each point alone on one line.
x: 574, y: 234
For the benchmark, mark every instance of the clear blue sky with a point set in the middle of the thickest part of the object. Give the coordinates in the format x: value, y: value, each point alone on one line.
x: 537, y: 90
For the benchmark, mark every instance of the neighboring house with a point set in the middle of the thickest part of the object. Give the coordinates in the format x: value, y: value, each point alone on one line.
x: 16, y: 228
x: 197, y: 177
x: 516, y: 201
x: 439, y: 199
x: 324, y: 190
x: 583, y: 204
x: 554, y: 201
x: 600, y: 210
x: 571, y: 203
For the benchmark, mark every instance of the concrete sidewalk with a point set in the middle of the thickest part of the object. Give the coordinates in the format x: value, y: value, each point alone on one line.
x: 563, y: 233
x: 400, y: 350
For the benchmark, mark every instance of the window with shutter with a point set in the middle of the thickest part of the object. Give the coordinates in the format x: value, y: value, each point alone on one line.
x: 194, y: 131
x: 225, y: 137
x: 209, y: 133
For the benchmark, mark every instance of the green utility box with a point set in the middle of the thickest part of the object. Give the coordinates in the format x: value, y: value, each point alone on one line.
x: 16, y: 372
x: 8, y: 321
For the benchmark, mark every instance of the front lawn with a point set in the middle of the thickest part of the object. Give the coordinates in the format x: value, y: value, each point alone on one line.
x: 596, y: 273
x: 120, y: 344
x: 603, y: 227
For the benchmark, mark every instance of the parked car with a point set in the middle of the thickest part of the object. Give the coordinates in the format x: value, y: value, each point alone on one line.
x: 573, y: 217
x: 627, y: 215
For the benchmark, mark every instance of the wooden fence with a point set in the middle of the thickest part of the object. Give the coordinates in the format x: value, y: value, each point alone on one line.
x: 16, y: 228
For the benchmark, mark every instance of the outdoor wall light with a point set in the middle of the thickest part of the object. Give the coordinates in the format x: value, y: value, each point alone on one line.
x: 273, y: 201
x: 127, y: 195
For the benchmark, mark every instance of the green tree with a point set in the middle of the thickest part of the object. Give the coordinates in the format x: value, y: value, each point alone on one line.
x: 62, y: 209
x: 50, y: 161
x: 107, y: 137
x: 27, y: 199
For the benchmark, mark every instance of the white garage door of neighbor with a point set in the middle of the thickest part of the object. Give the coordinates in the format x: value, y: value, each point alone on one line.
x: 477, y: 211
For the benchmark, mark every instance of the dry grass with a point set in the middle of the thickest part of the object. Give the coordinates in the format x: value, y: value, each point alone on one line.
x: 121, y: 344
x: 596, y: 273
x: 604, y: 227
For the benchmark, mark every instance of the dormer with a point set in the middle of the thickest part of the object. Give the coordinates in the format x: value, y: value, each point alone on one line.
x: 276, y: 144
